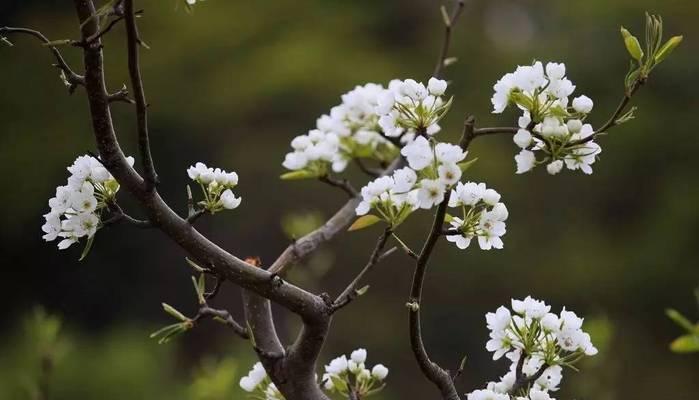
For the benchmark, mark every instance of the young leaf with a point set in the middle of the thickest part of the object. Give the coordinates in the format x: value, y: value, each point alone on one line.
x: 681, y: 320
x: 194, y: 265
x: 685, y: 344
x: 87, y: 248
x: 667, y: 48
x: 363, y: 222
x: 297, y: 175
x: 172, y: 311
x: 632, y: 45
x: 467, y: 164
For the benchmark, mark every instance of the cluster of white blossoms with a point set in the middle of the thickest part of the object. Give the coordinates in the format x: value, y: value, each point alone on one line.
x: 549, y: 125
x: 257, y: 381
x: 350, y: 130
x: 344, y: 375
x: 547, y: 341
x: 216, y: 185
x: 369, y: 123
x: 341, y: 376
x: 409, y: 108
x: 76, y: 208
x: 483, y: 217
x: 432, y: 169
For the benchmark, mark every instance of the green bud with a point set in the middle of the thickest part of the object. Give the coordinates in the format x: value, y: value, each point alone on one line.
x: 632, y: 44
x: 667, y: 48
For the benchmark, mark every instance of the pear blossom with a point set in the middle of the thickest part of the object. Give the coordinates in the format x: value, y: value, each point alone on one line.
x: 216, y: 185
x: 431, y: 193
x: 484, y: 216
x: 525, y: 161
x: 582, y: 104
x: 355, y: 375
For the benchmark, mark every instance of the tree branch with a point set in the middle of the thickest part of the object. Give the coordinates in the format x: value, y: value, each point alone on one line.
x: 74, y: 80
x: 133, y: 42
x: 342, y: 184
x: 449, y: 21
x: 336, y: 224
x: 523, y: 380
x: 223, y: 316
x: 350, y: 292
x: 371, y: 172
x: 436, y: 374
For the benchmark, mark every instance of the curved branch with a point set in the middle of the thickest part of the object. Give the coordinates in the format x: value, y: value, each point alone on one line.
x: 342, y: 184
x: 133, y: 43
x: 436, y: 374
x: 449, y: 21
x: 74, y: 80
x: 350, y: 292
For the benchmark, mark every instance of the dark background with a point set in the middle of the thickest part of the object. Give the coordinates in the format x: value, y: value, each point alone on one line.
x: 231, y: 85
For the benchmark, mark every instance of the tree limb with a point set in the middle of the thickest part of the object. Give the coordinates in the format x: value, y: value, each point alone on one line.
x: 342, y: 184
x: 133, y: 42
x: 74, y: 80
x: 350, y: 292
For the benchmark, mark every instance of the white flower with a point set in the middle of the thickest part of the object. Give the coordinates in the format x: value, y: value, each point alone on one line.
x: 52, y: 227
x: 461, y: 241
x: 431, y: 193
x: 229, y: 201
x: 436, y: 87
x: 404, y: 180
x: 449, y: 174
x: 535, y: 394
x: 550, y: 322
x: 501, y: 97
x: 247, y: 384
x: 487, y: 395
x: 530, y: 307
x: 195, y: 171
x: 554, y: 167
x: 418, y: 153
x: 583, y: 157
x: 414, y: 90
x: 499, y: 344
x: 379, y: 372
x: 525, y: 161
x: 499, y: 212
x: 491, y: 197
x: 523, y: 138
x: 337, y: 365
x: 491, y: 229
x: 582, y: 104
x: 499, y: 320
x: 358, y: 356
x: 555, y: 70
x: 448, y: 153
x: 469, y: 194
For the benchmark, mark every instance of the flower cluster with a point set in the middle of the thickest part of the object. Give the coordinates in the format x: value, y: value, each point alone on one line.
x: 483, y: 216
x: 350, y: 130
x: 216, y: 186
x: 409, y: 108
x: 257, y: 381
x: 547, y: 341
x: 432, y: 169
x: 549, y: 124
x: 363, y: 381
x: 76, y: 209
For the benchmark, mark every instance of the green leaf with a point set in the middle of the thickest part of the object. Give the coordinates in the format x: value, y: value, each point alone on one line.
x: 297, y: 175
x: 467, y: 164
x: 448, y: 218
x: 685, y: 344
x: 199, y: 289
x: 363, y: 222
x: 194, y: 265
x: 361, y: 291
x: 172, y: 311
x: 667, y: 48
x: 681, y: 320
x: 87, y: 248
x: 632, y: 45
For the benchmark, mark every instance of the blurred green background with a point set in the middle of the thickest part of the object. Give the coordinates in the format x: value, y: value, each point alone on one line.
x: 231, y: 84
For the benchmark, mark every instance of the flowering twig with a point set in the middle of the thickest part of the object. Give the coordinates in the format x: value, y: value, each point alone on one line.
x: 133, y: 41
x: 352, y: 291
x: 449, y: 21
x: 121, y: 216
x: 73, y: 80
x: 523, y: 380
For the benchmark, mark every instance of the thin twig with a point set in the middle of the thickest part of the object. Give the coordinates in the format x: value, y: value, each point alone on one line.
x: 339, y: 183
x: 121, y: 216
x: 371, y: 172
x: 350, y: 292
x: 523, y: 380
x: 224, y: 317
x: 74, y: 80
x: 133, y: 41
x: 612, y: 121
x: 448, y: 25
x: 121, y: 95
